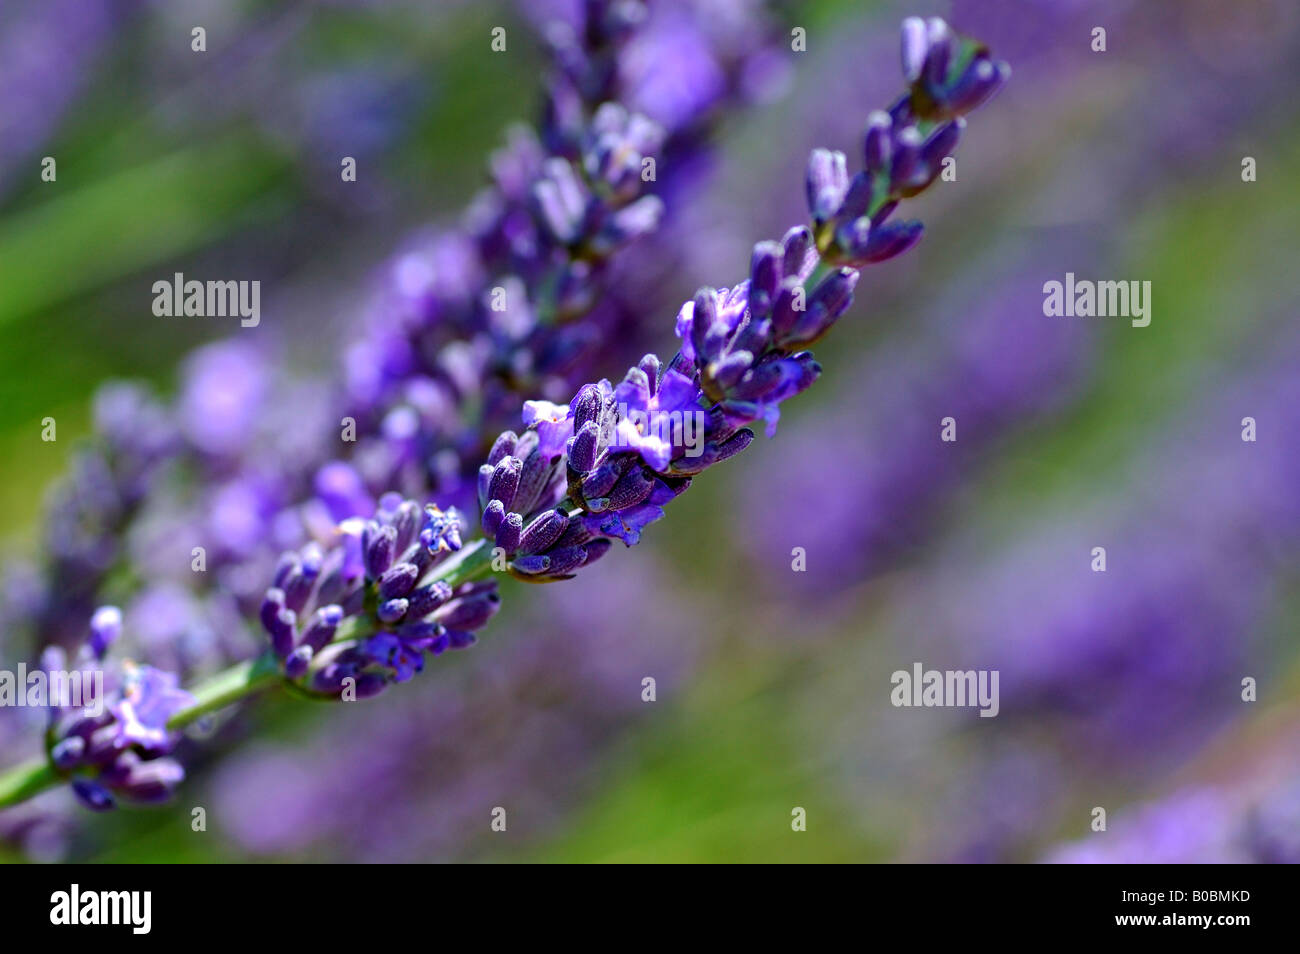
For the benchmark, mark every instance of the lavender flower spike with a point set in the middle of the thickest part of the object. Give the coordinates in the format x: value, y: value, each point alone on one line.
x: 742, y: 349
x: 904, y: 149
x: 347, y: 620
x: 115, y: 744
x: 358, y: 608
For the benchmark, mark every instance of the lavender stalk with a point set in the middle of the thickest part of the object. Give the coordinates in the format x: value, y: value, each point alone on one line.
x: 358, y: 612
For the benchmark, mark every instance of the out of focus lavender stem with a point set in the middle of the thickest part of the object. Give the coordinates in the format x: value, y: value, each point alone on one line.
x: 26, y: 780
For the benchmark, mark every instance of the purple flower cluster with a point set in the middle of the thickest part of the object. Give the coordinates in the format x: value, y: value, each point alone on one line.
x: 88, y: 512
x: 116, y: 746
x: 501, y: 312
x: 742, y: 351
x: 505, y: 306
x: 529, y: 293
x: 904, y: 149
x: 430, y: 380
x: 521, y: 486
x: 374, y: 575
x: 510, y: 307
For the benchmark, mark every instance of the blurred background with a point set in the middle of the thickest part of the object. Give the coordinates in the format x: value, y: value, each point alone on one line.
x: 1120, y: 690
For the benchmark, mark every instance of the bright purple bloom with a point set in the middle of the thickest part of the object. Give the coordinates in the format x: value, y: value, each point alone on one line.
x: 114, y: 747
x: 149, y: 697
x: 388, y: 650
x: 377, y: 577
x: 647, y: 420
x: 554, y: 425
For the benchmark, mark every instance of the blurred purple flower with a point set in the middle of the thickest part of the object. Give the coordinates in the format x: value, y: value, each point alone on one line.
x: 149, y: 697
x: 48, y: 52
x: 873, y: 461
x: 1253, y: 820
x: 225, y: 387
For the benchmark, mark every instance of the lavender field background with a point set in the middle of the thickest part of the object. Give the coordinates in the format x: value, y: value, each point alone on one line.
x: 1120, y: 689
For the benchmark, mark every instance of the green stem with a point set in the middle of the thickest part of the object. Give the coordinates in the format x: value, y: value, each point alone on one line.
x: 472, y: 562
x: 228, y: 686
x: 25, y: 780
